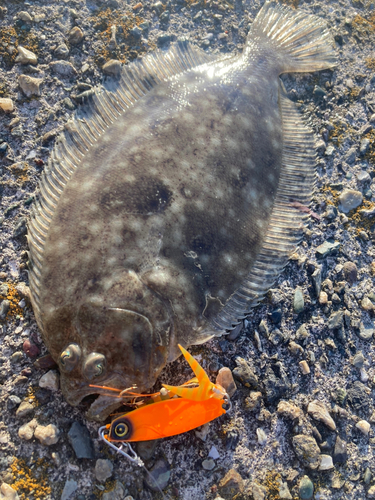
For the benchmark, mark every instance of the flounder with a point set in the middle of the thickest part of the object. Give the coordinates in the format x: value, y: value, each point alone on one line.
x: 170, y: 204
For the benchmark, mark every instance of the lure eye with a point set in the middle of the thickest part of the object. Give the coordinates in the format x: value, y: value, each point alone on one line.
x: 70, y: 357
x: 95, y: 366
x: 121, y: 430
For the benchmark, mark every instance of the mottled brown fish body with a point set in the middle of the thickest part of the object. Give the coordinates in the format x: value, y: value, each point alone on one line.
x: 164, y: 210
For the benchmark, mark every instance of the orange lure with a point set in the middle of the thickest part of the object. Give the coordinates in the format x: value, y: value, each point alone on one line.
x: 193, y: 407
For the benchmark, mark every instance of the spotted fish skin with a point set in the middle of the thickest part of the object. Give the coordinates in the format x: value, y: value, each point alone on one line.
x: 168, y: 207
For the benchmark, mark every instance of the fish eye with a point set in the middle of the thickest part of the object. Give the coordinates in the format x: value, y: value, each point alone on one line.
x: 95, y: 366
x: 70, y: 357
x: 121, y: 430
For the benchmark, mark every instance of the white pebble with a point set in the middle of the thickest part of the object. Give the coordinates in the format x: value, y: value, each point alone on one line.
x: 214, y: 453
x: 26, y: 431
x: 326, y: 462
x: 262, y: 436
x: 50, y: 380
x: 364, y: 375
x: 8, y: 493
x: 6, y: 104
x: 363, y: 426
x: 305, y: 369
x: 48, y: 434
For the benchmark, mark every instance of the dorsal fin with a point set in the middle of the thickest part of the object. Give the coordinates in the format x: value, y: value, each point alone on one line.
x: 89, y: 122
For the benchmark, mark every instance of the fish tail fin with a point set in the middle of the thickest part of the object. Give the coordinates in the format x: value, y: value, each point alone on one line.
x: 301, y: 41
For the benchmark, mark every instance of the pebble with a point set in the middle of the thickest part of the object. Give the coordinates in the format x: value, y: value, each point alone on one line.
x: 307, y: 450
x: 326, y: 463
x: 208, y: 464
x: 366, y: 330
x: 350, y: 156
x: 63, y: 68
x: 30, y: 349
x: 262, y: 436
x: 136, y: 32
x: 306, y: 488
x: 13, y: 401
x: 6, y: 104
x: 358, y: 359
x: 365, y: 144
x: 276, y: 383
x: 304, y: 367
x: 118, y: 493
x: 366, y: 304
x: 8, y: 493
x: 226, y: 380
x: 298, y: 301
x: 319, y: 412
x: 259, y: 492
x: 231, y: 485
x: 371, y: 492
x: 284, y: 493
x: 336, y: 320
x: 359, y: 399
x: 363, y: 177
x: 80, y: 440
x: 367, y: 476
x: 25, y: 408
x: 331, y: 212
x: 47, y: 434
x: 50, y: 380
x: 214, y: 453
x: 363, y: 426
x: 245, y: 374
x: 62, y: 51
x: 340, y: 454
x: 25, y: 16
x: 350, y: 272
x: 25, y: 56
x: 103, y: 469
x: 327, y: 248
x: 350, y: 199
x: 26, y: 431
x: 146, y: 449
x: 289, y: 410
x: 16, y: 357
x: 323, y: 298
x: 253, y: 401
x: 160, y: 474
x: 69, y: 488
x: 75, y: 35
x: 112, y: 67
x: 30, y: 85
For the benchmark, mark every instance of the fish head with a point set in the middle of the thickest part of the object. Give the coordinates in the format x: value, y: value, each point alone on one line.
x: 117, y: 336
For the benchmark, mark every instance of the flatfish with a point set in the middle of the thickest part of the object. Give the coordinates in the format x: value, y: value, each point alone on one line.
x: 171, y: 203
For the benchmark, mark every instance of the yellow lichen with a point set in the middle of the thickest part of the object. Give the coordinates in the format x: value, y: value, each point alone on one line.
x: 272, y: 483
x: 370, y: 62
x: 13, y: 36
x: 370, y: 155
x: 20, y: 170
x: 14, y: 298
x: 30, y: 481
x: 333, y: 195
x: 363, y: 26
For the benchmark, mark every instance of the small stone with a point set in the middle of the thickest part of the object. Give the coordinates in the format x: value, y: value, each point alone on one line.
x: 30, y: 349
x: 298, y: 301
x: 358, y: 359
x: 340, y: 455
x: 319, y: 412
x: 48, y: 434
x: 26, y: 431
x: 262, y: 436
x: 367, y: 476
x: 12, y: 402
x: 8, y: 493
x: 69, y: 488
x: 16, y: 357
x: 326, y: 463
x: 48, y: 136
x: 323, y: 298
x: 365, y: 144
x: 350, y: 272
x: 160, y: 474
x: 112, y: 67
x: 231, y: 485
x: 245, y: 374
x: 202, y: 433
x: 208, y: 464
x: 25, y: 56
x: 284, y: 493
x: 103, y: 469
x: 63, y: 68
x: 146, y: 449
x: 62, y: 51
x: 307, y: 451
x: 350, y: 199
x: 331, y: 212
x: 136, y: 32
x: 363, y: 177
x: 6, y: 104
x: 214, y: 453
x: 25, y: 408
x: 363, y: 426
x: 359, y: 399
x: 253, y: 401
x: 366, y: 330
x: 30, y: 85
x: 25, y: 16
x: 226, y: 380
x: 304, y: 367
x: 350, y: 156
x: 80, y: 440
x: 295, y: 348
x: 75, y: 35
x: 327, y: 248
x: 336, y: 320
x: 306, y: 488
x: 371, y: 492
x: 366, y: 304
x: 118, y: 492
x: 259, y: 492
x: 302, y: 334
x: 330, y: 150
x: 50, y: 380
x: 289, y: 410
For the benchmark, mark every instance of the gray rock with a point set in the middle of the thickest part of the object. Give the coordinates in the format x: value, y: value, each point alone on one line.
x: 70, y: 487
x: 276, y: 383
x: 359, y: 399
x: 136, y: 32
x: 319, y: 412
x: 25, y: 408
x: 47, y: 434
x: 307, y: 451
x: 25, y: 16
x: 62, y: 51
x: 12, y: 402
x: 160, y: 475
x: 8, y: 493
x: 358, y: 359
x: 232, y: 485
x: 62, y: 68
x: 4, y: 308
x: 350, y: 272
x: 366, y: 330
x: 363, y: 177
x: 208, y: 464
x: 259, y: 492
x: 350, y: 199
x: 336, y: 320
x: 81, y: 442
x: 329, y: 247
x: 244, y: 373
x: 331, y: 212
x: 146, y: 449
x: 367, y: 476
x: 25, y: 56
x: 298, y: 301
x: 75, y: 36
x: 305, y: 488
x: 365, y: 144
x: 112, y: 67
x: 103, y: 469
x: 350, y: 156
x: 340, y: 455
x: 30, y: 85
x: 118, y: 493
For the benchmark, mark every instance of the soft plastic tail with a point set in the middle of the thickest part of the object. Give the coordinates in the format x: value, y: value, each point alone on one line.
x: 299, y: 41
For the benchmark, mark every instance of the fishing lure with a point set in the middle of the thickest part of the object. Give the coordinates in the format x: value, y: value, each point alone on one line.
x: 193, y: 404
